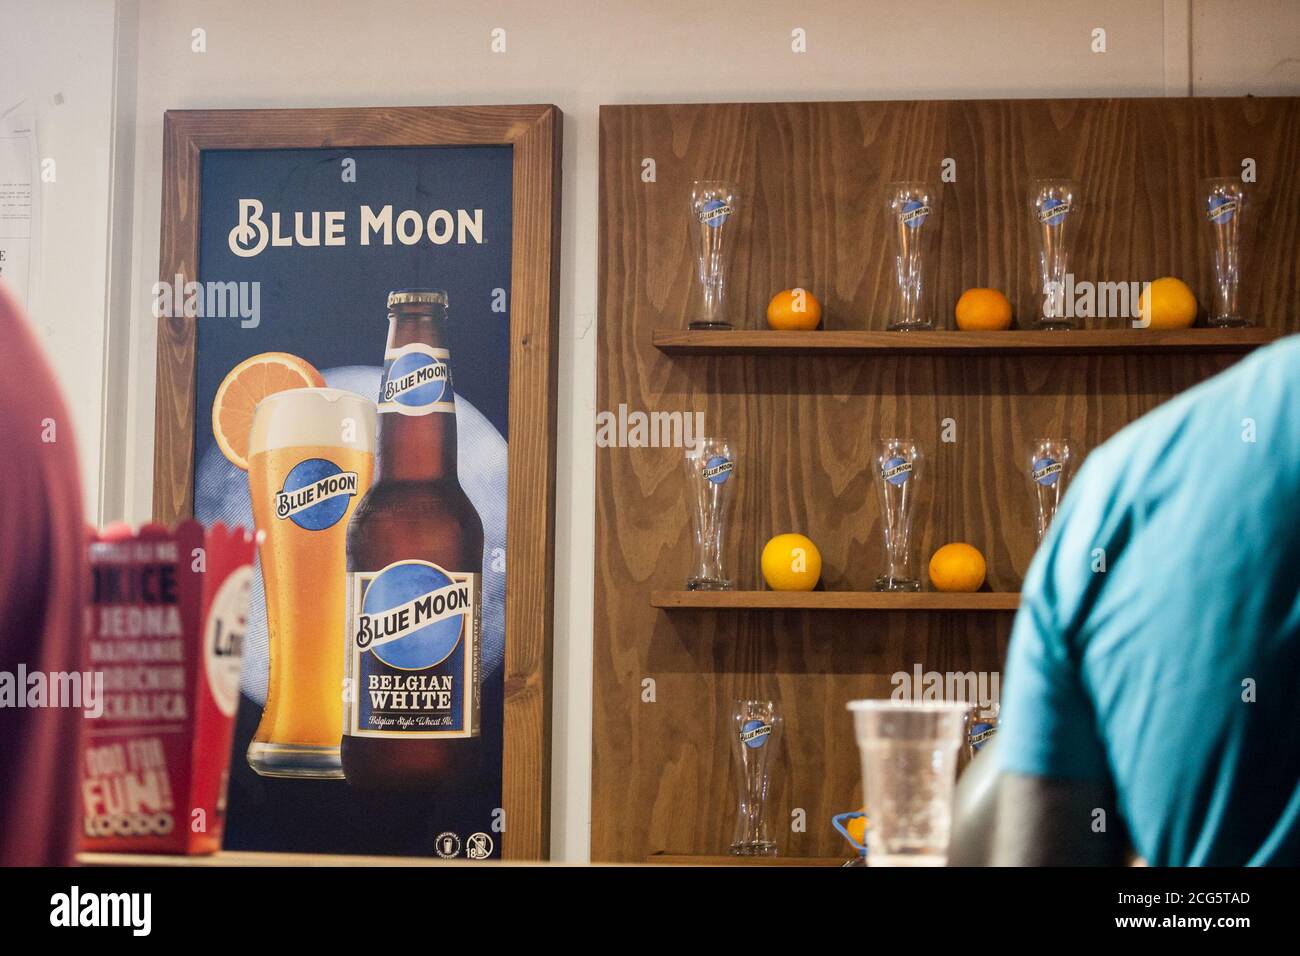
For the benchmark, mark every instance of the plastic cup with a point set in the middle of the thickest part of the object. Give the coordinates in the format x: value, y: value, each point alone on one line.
x: 909, y: 769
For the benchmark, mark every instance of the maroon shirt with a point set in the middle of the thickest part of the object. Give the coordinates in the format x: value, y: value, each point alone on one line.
x: 43, y: 589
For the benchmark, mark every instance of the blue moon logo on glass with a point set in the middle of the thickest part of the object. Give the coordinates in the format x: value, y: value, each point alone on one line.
x: 754, y: 733
x: 896, y: 470
x: 714, y: 213
x: 1053, y: 211
x: 1046, y: 471
x: 718, y: 469
x: 914, y: 213
x: 1220, y: 209
x: 307, y: 480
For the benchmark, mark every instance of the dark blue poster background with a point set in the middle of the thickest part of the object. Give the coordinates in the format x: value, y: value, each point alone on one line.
x: 327, y: 304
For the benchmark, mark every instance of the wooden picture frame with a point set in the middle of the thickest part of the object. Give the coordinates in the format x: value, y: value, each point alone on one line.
x: 534, y: 133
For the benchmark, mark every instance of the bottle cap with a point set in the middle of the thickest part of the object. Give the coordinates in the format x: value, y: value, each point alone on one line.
x: 417, y: 296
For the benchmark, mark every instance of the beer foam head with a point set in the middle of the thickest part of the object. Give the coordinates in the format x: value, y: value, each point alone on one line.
x: 313, y: 416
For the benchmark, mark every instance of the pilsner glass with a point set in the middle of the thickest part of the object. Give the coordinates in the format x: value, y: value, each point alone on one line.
x: 713, y: 222
x: 311, y: 458
x: 913, y: 211
x: 755, y: 732
x: 1051, y: 465
x: 710, y: 478
x: 909, y: 770
x: 1054, y: 205
x: 898, y: 465
x: 1224, y: 204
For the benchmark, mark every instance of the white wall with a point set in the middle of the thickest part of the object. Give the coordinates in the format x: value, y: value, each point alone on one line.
x: 1246, y: 48
x: 56, y: 60
x: 579, y: 54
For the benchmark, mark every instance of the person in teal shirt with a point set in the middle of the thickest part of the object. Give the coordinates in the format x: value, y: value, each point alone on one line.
x: 1152, y: 692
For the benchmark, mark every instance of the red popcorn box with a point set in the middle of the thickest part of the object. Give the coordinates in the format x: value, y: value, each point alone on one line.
x: 165, y: 629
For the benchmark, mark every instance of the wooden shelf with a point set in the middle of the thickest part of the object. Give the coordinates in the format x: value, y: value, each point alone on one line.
x: 836, y: 600
x: 1010, y: 342
x: 687, y: 859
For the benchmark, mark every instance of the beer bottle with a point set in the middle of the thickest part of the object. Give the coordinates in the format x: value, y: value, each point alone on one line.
x: 412, y: 670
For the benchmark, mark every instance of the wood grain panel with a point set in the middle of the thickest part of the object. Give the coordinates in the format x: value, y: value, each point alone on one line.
x: 811, y: 177
x: 534, y: 132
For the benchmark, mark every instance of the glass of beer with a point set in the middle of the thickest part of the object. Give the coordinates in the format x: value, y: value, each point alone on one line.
x: 311, y: 459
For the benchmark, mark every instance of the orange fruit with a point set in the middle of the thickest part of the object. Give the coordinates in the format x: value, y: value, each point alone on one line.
x: 857, y: 828
x: 957, y: 567
x: 794, y: 309
x: 1173, y: 304
x: 791, y: 562
x: 247, y: 384
x: 983, y: 310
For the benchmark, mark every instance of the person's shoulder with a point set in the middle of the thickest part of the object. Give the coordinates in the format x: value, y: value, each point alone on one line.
x: 1262, y: 390
x: 1270, y: 375
x: 1282, y: 354
x: 1160, y: 472
x: 1268, y: 378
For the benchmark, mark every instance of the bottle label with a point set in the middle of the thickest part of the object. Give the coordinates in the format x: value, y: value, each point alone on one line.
x: 417, y: 381
x: 411, y: 669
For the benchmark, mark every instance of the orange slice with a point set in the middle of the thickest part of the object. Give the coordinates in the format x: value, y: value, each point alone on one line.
x: 247, y: 384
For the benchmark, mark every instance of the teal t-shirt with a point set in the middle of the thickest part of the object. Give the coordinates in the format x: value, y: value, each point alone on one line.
x: 1158, y: 642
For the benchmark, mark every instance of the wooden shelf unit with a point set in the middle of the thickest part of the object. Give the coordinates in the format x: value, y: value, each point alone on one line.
x: 940, y: 342
x: 835, y: 600
x: 803, y: 408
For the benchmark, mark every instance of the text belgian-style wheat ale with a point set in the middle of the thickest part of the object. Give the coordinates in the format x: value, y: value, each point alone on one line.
x: 414, y: 562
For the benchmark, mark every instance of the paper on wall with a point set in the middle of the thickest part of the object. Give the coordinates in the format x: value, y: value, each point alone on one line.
x: 19, y: 204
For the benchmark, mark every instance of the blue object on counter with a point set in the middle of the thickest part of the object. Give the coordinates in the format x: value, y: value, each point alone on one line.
x: 841, y: 820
